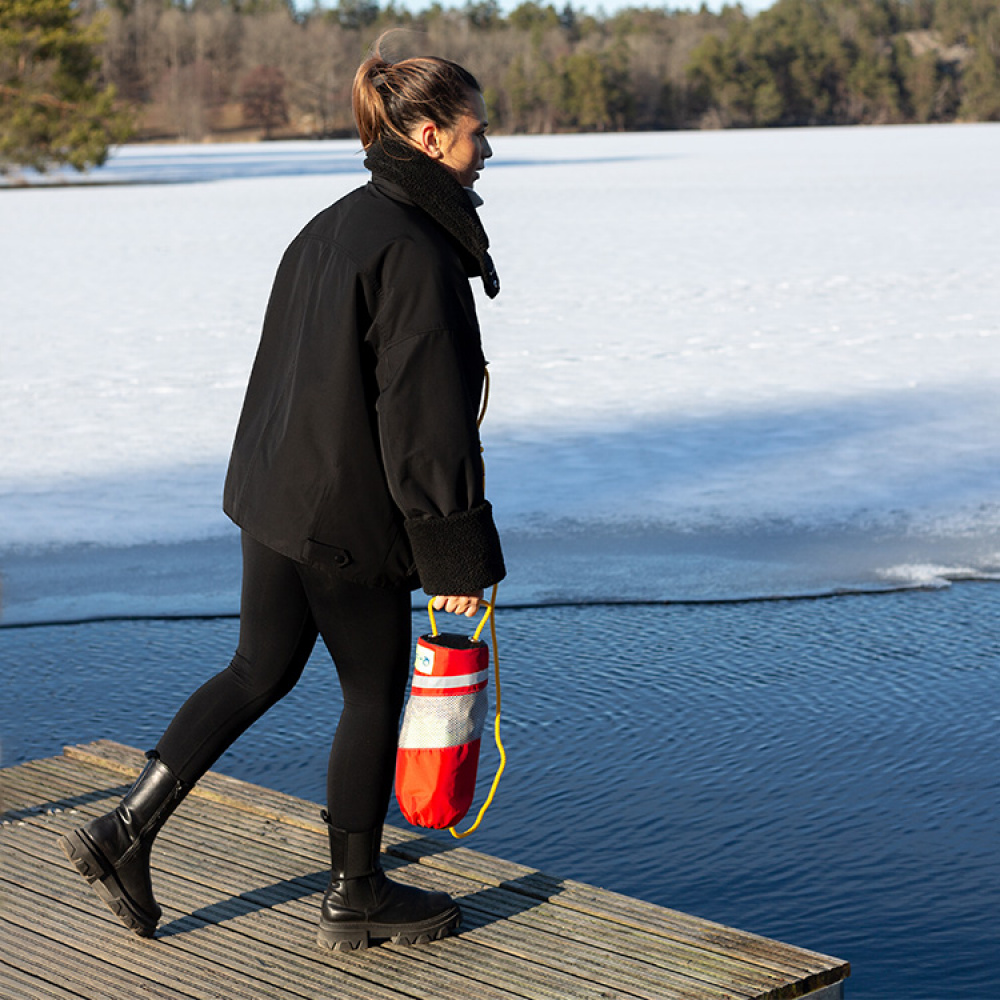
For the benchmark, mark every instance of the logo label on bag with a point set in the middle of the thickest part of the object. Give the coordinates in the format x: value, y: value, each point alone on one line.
x: 424, y: 661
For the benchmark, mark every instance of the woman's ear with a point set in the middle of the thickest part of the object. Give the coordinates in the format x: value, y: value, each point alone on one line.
x: 428, y: 137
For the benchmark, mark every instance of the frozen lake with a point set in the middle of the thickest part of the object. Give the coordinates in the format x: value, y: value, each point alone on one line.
x: 724, y: 364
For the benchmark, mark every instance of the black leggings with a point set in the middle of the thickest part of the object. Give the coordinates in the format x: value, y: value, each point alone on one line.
x: 284, y: 606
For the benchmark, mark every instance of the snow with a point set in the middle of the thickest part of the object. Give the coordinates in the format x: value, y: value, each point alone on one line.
x: 723, y: 364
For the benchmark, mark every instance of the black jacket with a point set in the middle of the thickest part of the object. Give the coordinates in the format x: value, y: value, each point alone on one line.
x: 357, y: 448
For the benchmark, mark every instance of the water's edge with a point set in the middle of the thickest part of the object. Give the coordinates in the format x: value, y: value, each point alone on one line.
x: 580, y: 565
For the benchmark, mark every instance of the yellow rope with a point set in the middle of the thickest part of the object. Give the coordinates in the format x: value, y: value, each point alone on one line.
x: 496, y: 719
x: 496, y: 655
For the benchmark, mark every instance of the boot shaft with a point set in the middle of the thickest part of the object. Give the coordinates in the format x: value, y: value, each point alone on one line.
x: 154, y: 796
x: 353, y: 854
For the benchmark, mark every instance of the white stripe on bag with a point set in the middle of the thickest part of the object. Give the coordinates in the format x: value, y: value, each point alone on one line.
x: 455, y: 681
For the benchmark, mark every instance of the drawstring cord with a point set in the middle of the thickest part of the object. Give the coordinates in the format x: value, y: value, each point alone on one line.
x: 485, y: 403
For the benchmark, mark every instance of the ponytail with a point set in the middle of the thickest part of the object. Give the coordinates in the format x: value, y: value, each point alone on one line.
x: 393, y: 98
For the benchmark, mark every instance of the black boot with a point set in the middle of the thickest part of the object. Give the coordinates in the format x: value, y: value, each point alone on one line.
x: 112, y: 851
x: 362, y: 904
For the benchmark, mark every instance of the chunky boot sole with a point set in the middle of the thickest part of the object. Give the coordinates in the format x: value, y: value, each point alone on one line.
x: 353, y: 935
x: 93, y: 866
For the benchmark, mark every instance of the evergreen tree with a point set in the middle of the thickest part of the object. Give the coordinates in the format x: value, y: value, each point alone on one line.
x: 981, y: 100
x: 53, y: 108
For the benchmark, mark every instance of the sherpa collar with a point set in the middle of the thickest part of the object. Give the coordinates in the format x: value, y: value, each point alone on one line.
x: 434, y: 190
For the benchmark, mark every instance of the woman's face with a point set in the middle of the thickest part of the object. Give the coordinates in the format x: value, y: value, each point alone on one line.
x: 464, y: 147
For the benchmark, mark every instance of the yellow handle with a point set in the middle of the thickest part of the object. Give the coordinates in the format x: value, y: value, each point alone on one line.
x: 475, y: 635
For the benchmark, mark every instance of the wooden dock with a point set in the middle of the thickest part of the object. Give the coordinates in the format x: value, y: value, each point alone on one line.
x: 240, y: 871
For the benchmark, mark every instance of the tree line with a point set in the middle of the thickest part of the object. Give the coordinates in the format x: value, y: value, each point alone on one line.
x: 196, y: 69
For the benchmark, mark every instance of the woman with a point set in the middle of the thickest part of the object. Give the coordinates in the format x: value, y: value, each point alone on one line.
x: 355, y: 477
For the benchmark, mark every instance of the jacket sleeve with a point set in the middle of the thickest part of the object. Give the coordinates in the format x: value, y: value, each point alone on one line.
x: 430, y: 374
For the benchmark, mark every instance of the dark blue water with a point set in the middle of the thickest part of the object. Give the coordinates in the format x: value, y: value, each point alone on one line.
x: 823, y: 772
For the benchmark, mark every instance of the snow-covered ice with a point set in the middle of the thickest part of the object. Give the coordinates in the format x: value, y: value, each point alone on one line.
x: 723, y: 364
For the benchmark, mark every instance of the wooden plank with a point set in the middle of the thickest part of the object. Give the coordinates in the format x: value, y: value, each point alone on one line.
x: 25, y: 985
x: 226, y: 909
x: 77, y: 968
x: 304, y: 933
x: 418, y: 847
x: 79, y: 932
x: 631, y: 971
x: 212, y: 954
x: 723, y: 972
x: 215, y: 787
x: 627, y: 911
x: 278, y: 934
x: 243, y: 869
x: 255, y: 874
x: 564, y: 984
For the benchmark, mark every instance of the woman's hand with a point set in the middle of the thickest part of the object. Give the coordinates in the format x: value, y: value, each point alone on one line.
x: 459, y: 604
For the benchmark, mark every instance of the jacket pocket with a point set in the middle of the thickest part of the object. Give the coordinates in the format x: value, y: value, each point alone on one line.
x: 323, y: 552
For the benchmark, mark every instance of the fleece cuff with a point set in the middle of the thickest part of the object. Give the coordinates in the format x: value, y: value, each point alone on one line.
x: 457, y: 554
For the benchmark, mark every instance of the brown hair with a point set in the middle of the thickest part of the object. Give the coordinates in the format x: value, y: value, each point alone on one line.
x: 392, y: 98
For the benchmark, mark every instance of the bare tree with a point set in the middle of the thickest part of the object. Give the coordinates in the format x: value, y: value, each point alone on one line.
x: 263, y: 94
x: 320, y: 75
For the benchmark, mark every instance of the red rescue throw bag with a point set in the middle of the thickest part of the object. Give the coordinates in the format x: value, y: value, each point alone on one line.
x: 438, y: 752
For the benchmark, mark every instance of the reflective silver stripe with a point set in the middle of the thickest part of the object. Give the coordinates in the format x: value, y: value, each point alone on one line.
x: 437, y: 723
x: 454, y: 681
